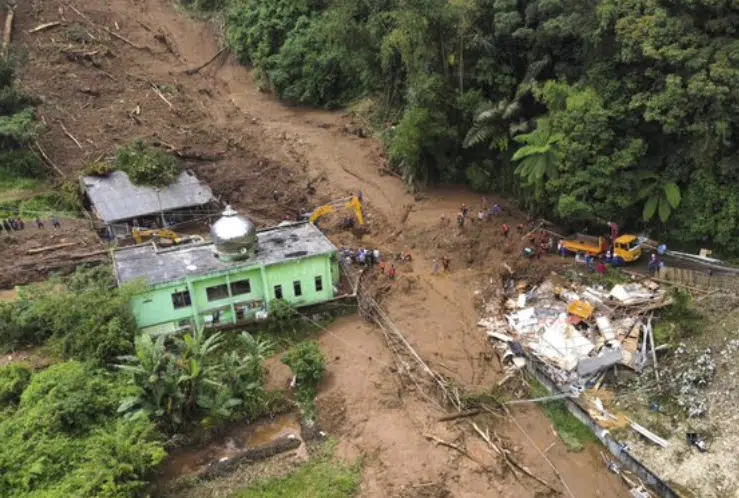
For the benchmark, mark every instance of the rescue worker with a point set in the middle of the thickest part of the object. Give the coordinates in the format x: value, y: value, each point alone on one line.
x: 460, y: 220
x: 392, y: 272
x: 445, y: 263
x: 506, y: 229
x: 435, y: 268
x: 39, y: 223
x: 520, y: 228
x: 464, y: 210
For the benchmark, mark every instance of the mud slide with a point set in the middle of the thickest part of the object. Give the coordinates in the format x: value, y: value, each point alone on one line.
x: 116, y: 70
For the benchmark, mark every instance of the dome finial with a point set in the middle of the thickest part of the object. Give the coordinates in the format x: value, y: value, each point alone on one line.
x: 234, y: 236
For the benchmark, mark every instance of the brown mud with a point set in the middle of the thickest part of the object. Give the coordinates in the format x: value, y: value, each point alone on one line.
x: 247, y: 146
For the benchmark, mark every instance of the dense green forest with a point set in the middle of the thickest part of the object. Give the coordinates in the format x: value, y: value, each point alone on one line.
x: 94, y: 423
x: 622, y: 110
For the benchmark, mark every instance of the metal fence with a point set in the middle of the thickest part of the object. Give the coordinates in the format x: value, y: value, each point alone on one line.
x: 700, y: 279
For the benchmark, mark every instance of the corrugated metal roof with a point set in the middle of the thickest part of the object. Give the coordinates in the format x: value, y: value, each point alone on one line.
x: 276, y: 245
x: 115, y: 198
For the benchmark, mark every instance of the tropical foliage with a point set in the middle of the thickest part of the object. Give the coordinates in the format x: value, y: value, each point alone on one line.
x: 194, y: 379
x: 61, y: 436
x: 604, y: 99
x: 85, y: 315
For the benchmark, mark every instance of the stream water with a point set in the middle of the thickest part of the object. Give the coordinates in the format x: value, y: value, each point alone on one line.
x: 239, y: 437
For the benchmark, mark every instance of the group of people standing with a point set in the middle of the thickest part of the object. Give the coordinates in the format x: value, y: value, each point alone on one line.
x: 14, y: 224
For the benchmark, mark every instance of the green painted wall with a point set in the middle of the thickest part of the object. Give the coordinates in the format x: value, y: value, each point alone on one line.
x: 155, y: 312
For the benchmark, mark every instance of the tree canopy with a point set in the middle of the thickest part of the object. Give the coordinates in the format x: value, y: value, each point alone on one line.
x: 638, y: 97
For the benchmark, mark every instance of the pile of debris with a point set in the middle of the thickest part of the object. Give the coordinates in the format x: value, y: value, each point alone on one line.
x: 576, y: 333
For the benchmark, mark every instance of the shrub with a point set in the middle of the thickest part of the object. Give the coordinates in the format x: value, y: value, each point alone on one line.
x: 307, y: 364
x: 13, y: 380
x: 146, y: 165
x: 85, y: 315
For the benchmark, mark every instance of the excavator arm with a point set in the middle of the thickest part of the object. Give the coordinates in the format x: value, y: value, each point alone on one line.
x: 355, y: 204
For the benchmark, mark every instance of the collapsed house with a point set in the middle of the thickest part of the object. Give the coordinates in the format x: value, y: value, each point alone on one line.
x: 121, y: 206
x: 575, y: 335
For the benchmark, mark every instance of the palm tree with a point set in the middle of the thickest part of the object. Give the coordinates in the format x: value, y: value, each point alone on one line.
x: 540, y: 154
x: 660, y: 197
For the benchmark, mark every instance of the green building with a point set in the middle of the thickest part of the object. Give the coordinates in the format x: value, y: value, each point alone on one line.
x: 231, y: 279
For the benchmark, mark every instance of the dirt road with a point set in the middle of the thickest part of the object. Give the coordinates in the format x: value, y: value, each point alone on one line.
x: 108, y: 90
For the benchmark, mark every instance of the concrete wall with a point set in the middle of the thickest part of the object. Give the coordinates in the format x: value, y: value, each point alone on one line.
x: 615, y: 447
x: 155, y: 311
x: 303, y: 271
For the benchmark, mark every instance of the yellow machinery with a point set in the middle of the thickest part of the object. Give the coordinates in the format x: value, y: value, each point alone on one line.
x: 142, y: 235
x: 354, y: 203
x: 627, y: 247
x: 588, y: 245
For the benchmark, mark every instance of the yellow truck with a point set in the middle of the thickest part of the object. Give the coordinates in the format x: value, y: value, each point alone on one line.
x: 625, y: 247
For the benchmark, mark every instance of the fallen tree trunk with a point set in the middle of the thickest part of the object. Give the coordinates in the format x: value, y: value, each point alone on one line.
x: 51, y: 248
x: 7, y: 34
x: 197, y: 69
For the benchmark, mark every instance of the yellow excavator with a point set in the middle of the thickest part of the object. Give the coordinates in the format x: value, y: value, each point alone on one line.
x: 354, y: 203
x: 141, y: 235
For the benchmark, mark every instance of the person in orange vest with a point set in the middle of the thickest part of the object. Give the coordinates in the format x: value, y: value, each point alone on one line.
x: 392, y: 272
x: 506, y: 229
x: 382, y: 266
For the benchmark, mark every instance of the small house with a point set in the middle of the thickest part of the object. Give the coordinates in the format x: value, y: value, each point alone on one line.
x: 121, y: 206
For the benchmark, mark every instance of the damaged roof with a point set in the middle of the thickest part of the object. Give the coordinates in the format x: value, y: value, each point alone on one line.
x: 276, y: 245
x: 115, y: 197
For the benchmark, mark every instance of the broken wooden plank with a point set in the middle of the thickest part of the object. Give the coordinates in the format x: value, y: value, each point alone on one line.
x: 640, y: 429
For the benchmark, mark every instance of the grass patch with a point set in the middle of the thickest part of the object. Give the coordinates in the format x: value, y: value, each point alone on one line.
x: 575, y: 435
x: 322, y: 477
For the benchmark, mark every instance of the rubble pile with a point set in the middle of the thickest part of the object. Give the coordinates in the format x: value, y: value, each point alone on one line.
x: 696, y: 373
x: 576, y: 333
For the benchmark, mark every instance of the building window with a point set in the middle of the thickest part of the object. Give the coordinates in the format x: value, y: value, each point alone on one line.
x: 240, y: 287
x: 297, y: 289
x: 319, y: 283
x: 181, y: 299
x: 278, y: 292
x: 217, y: 292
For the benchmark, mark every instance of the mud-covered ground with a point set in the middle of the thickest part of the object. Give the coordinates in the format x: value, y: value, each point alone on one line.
x: 115, y: 71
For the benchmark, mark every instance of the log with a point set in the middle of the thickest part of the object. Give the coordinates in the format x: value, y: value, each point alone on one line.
x: 454, y: 447
x: 455, y: 416
x: 66, y: 132
x: 48, y: 159
x: 45, y: 26
x: 197, y: 69
x: 51, y: 248
x: 7, y: 33
x: 88, y: 254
